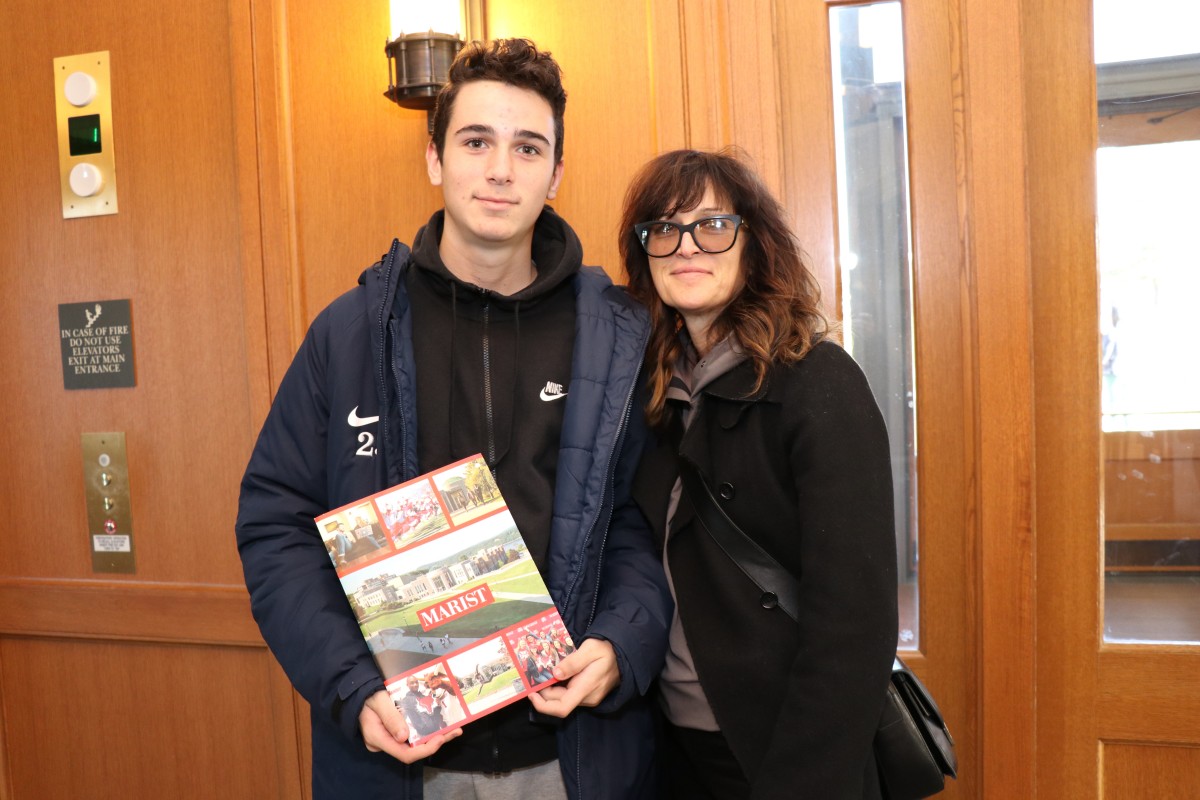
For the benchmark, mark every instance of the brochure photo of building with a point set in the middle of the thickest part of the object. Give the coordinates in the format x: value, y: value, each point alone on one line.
x: 446, y: 592
x: 468, y: 491
x: 487, y: 674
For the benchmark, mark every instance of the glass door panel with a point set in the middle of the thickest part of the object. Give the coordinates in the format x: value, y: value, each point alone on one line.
x: 874, y: 248
x: 1148, y: 214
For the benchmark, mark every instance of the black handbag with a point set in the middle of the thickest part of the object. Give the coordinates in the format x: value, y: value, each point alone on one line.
x: 913, y: 747
x: 914, y: 750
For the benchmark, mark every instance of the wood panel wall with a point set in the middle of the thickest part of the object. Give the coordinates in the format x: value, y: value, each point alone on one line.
x: 261, y: 169
x: 153, y: 683
x: 609, y: 63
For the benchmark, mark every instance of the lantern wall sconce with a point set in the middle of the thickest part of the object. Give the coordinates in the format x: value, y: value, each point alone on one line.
x: 426, y: 35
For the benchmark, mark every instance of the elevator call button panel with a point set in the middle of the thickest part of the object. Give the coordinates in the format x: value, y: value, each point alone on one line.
x: 106, y: 494
x: 86, y: 160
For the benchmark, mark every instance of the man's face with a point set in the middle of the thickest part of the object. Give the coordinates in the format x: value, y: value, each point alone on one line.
x: 497, y: 166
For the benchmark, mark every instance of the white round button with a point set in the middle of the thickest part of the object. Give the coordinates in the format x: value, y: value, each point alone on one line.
x: 86, y: 180
x: 80, y: 89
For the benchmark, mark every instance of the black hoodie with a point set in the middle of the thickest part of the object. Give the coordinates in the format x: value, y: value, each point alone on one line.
x: 491, y: 378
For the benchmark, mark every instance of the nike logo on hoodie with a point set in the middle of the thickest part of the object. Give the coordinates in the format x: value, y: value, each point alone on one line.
x: 552, y: 391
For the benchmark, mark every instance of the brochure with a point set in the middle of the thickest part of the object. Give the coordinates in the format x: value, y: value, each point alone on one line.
x: 447, y: 596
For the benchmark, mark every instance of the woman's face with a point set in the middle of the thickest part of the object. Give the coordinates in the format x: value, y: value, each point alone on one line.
x: 698, y: 284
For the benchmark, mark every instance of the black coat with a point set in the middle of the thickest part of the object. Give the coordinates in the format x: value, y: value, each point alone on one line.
x: 803, y: 467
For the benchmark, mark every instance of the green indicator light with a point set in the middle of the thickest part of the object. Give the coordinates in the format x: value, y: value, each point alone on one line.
x: 83, y: 135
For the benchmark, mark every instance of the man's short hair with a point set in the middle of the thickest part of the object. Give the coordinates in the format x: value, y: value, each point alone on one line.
x: 516, y: 62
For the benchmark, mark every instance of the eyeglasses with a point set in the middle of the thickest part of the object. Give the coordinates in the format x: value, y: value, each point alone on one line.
x: 712, y: 234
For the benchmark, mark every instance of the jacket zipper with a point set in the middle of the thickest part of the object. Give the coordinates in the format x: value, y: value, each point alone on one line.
x: 404, y: 471
x: 380, y: 446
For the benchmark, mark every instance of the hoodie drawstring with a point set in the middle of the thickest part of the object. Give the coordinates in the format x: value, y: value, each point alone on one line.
x: 450, y: 402
x: 512, y: 404
x: 491, y: 450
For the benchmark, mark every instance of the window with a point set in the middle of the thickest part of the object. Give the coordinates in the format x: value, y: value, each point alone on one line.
x: 1148, y: 202
x: 874, y: 248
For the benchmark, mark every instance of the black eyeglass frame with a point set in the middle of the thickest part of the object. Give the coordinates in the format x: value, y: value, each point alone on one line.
x: 640, y: 229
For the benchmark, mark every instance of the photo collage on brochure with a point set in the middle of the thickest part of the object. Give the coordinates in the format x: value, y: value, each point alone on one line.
x: 449, y: 600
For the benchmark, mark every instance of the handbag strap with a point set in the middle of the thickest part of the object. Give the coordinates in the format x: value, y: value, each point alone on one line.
x: 758, y: 565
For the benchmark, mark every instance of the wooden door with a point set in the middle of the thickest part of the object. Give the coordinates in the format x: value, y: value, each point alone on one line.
x: 154, y: 683
x: 1115, y: 721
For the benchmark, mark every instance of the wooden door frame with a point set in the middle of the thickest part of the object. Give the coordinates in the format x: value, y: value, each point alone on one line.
x: 1061, y: 175
x: 281, y: 320
x: 997, y: 229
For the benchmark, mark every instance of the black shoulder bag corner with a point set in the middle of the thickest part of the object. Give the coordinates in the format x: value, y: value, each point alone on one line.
x: 914, y: 750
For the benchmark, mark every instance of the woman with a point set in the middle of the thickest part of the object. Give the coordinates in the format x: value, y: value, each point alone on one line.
x: 781, y: 424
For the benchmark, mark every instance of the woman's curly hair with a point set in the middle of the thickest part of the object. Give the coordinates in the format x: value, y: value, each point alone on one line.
x: 776, y: 316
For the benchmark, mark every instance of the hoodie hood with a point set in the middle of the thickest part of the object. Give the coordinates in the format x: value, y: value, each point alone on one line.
x: 557, y: 254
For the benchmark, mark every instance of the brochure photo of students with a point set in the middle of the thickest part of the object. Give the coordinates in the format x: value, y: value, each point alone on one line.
x: 487, y: 674
x: 427, y: 702
x: 411, y: 513
x: 538, y: 646
x: 353, y: 534
x: 446, y: 593
x: 468, y: 490
x: 447, y: 695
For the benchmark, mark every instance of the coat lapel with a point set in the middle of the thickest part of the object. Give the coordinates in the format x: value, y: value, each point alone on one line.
x: 725, y: 402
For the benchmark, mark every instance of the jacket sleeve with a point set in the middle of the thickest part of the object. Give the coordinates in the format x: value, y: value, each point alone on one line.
x: 830, y: 706
x: 295, y: 593
x: 634, y: 606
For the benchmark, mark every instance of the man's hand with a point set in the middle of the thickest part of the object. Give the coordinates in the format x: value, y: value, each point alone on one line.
x: 384, y: 729
x: 590, y: 673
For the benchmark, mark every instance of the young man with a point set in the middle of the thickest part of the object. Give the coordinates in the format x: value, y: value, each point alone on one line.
x: 488, y: 336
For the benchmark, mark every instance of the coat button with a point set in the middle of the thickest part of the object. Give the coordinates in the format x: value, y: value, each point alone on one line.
x: 768, y: 600
x: 726, y: 491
